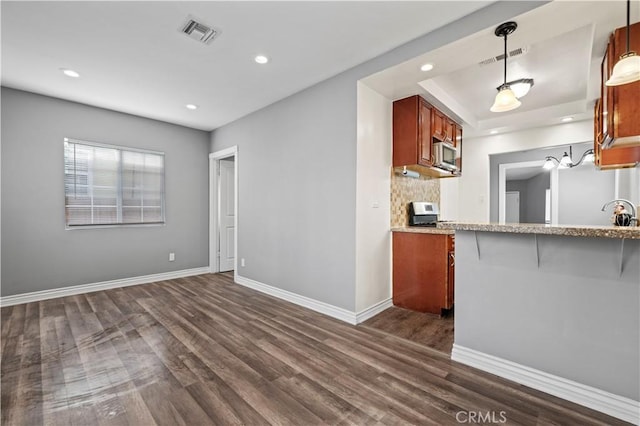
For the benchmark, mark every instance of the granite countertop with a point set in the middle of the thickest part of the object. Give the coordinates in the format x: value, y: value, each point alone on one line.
x: 424, y: 230
x: 630, y: 232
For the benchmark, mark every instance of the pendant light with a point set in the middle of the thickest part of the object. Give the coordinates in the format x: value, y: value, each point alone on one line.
x: 627, y: 69
x: 505, y: 99
x: 566, y: 162
x: 521, y: 86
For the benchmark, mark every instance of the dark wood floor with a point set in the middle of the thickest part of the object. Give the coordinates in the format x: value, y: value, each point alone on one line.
x: 426, y: 329
x: 203, y: 350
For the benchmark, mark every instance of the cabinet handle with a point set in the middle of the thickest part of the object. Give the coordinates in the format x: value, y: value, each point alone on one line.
x: 453, y: 259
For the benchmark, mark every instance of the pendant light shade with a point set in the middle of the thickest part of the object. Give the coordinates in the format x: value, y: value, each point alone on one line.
x: 627, y: 69
x: 565, y: 161
x: 548, y: 164
x: 521, y: 87
x: 505, y: 100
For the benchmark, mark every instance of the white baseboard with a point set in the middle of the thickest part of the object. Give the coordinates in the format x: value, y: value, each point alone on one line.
x: 36, y: 296
x: 306, y: 302
x: 614, y: 405
x: 373, y: 310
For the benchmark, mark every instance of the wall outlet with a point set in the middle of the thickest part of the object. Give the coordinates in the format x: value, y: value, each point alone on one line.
x: 172, y: 257
x: 242, y: 262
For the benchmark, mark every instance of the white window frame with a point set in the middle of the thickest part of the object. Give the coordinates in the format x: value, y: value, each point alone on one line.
x: 119, y: 206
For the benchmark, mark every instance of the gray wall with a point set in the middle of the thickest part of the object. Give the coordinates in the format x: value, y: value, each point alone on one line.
x: 575, y: 315
x: 532, y: 196
x: 582, y: 193
x: 37, y: 252
x: 297, y: 177
x: 296, y: 193
x: 521, y: 187
x: 536, y: 197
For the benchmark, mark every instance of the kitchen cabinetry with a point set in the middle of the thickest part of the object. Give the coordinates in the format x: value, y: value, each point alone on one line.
x: 616, y: 124
x: 444, y: 129
x: 416, y: 126
x: 439, y: 124
x: 423, y: 271
x: 457, y: 142
x: 412, y: 132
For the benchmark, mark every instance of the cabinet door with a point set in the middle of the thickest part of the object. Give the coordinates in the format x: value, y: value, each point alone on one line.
x: 406, y: 131
x: 438, y: 125
x: 451, y: 262
x: 458, y: 141
x: 450, y: 131
x: 424, y: 134
x: 624, y: 108
x: 605, y: 93
x: 597, y: 131
x: 451, y: 280
x: 420, y: 268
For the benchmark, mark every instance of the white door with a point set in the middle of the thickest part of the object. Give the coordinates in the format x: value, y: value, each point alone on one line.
x: 226, y: 213
x: 512, y: 207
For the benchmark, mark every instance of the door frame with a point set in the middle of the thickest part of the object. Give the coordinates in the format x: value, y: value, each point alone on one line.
x: 214, y: 223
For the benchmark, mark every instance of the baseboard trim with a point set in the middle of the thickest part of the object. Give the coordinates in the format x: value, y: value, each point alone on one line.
x: 305, y: 302
x: 614, y: 405
x: 373, y: 310
x: 37, y: 296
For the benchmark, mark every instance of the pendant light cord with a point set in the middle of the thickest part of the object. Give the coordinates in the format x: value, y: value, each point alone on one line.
x: 505, y: 56
x: 628, y: 24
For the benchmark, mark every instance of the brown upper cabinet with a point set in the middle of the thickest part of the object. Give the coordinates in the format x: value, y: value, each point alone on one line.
x: 412, y: 132
x: 616, y: 123
x: 416, y: 126
x: 443, y: 128
x: 438, y: 125
x: 457, y: 142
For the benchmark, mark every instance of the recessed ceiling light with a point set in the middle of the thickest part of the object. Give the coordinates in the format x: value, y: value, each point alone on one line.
x: 493, y: 132
x: 261, y: 59
x: 191, y: 106
x: 566, y: 119
x: 70, y: 73
x: 426, y: 67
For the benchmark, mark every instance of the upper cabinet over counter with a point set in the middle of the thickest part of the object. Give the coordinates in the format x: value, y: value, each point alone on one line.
x: 425, y: 140
x: 617, y: 112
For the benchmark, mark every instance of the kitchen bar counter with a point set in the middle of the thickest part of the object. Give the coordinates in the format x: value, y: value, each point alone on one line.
x: 556, y: 308
x: 625, y: 232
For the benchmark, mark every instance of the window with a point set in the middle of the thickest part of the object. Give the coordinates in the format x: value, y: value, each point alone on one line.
x: 112, y: 185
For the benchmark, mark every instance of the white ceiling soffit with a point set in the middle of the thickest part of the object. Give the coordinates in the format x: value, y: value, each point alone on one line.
x: 563, y: 44
x: 133, y: 56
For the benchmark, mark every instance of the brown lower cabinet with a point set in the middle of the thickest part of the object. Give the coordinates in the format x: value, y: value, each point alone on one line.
x: 423, y: 271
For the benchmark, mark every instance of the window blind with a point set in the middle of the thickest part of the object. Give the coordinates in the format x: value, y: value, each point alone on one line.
x: 112, y: 185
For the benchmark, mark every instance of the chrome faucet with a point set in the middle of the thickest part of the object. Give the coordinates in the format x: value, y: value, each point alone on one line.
x: 634, y: 218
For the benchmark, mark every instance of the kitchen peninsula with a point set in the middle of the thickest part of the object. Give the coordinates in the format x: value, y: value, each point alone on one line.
x: 556, y: 308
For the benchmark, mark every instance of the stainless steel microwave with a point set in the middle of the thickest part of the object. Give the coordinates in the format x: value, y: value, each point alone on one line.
x: 445, y: 156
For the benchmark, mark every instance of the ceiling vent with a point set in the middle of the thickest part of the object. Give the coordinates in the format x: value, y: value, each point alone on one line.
x: 199, y: 31
x: 515, y: 52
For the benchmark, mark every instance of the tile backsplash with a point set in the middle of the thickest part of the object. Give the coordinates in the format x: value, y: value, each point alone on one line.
x: 404, y: 190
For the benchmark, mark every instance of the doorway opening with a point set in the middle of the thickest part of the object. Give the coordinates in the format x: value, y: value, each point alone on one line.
x: 544, y: 197
x: 223, y: 208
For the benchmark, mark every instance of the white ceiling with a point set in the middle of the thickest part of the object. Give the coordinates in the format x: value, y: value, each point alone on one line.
x: 564, y: 43
x: 132, y: 57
